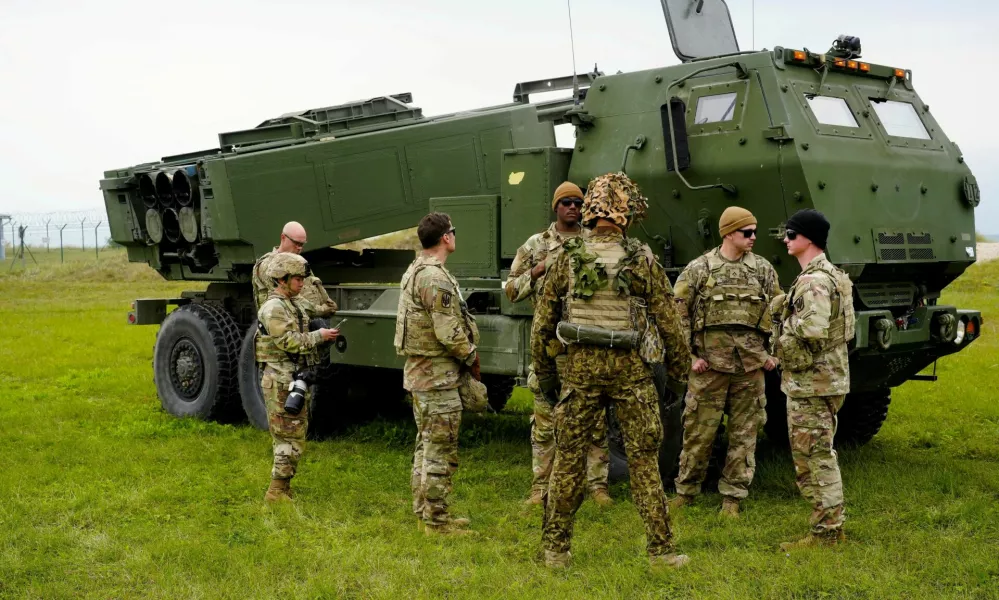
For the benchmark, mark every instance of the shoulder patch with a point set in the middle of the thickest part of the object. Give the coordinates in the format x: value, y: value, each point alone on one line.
x: 445, y: 298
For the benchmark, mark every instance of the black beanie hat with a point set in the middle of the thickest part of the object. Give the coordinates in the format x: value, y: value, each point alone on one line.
x: 812, y: 224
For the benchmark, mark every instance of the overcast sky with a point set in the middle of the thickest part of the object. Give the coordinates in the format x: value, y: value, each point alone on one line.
x: 90, y: 86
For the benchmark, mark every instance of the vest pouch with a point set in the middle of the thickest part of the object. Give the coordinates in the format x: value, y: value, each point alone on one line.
x: 794, y: 354
x: 589, y: 335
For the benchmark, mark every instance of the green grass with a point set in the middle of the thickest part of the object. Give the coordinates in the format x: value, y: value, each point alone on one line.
x: 103, y: 495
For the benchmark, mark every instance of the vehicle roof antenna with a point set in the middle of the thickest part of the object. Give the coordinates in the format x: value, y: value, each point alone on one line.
x: 572, y: 46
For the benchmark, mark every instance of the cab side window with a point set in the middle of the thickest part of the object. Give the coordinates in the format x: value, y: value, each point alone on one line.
x: 715, y: 109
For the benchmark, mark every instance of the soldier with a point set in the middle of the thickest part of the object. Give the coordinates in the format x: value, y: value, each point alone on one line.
x: 724, y: 298
x: 292, y: 240
x: 284, y: 344
x: 438, y: 338
x: 526, y: 278
x: 815, y: 325
x: 607, y: 298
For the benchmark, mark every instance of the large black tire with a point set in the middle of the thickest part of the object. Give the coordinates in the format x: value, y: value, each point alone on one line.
x: 498, y: 389
x: 250, y: 394
x: 776, y: 425
x: 671, y: 415
x: 862, y: 415
x: 195, y: 361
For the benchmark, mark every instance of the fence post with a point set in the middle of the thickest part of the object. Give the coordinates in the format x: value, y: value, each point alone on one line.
x: 47, y: 234
x: 62, y: 255
x: 83, y: 244
x: 97, y: 248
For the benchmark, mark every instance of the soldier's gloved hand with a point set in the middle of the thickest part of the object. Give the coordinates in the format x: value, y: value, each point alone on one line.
x: 476, y: 369
x: 551, y: 389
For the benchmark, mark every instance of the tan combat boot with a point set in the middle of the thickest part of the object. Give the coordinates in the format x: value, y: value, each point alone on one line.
x: 730, y: 507
x: 280, y: 489
x: 535, y: 499
x: 814, y: 540
x: 557, y: 560
x: 668, y: 561
x: 680, y: 501
x: 602, y: 498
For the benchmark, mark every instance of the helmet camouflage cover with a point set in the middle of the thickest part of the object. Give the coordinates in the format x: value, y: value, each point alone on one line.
x: 284, y: 264
x: 614, y: 197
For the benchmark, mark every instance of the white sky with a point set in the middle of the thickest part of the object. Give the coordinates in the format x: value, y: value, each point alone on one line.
x: 90, y: 86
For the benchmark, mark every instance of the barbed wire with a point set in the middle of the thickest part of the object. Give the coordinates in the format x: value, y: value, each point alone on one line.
x: 56, y: 228
x: 64, y: 217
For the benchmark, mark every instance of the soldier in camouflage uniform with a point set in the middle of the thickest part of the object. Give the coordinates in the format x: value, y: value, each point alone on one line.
x: 438, y: 338
x: 724, y: 300
x: 607, y: 287
x: 526, y: 277
x: 317, y: 303
x: 815, y: 324
x: 284, y: 344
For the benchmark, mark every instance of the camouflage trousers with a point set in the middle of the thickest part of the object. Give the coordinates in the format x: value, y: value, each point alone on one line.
x: 435, y: 459
x: 543, y: 449
x: 287, y: 431
x: 811, y: 424
x: 576, y: 417
x: 710, y: 395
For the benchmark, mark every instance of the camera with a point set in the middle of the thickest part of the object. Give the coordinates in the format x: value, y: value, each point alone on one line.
x: 295, y: 401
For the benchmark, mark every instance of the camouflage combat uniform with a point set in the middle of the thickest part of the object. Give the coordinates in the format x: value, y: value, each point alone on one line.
x: 284, y: 344
x: 543, y: 248
x: 315, y: 300
x: 724, y: 307
x: 437, y: 337
x: 596, y: 376
x: 817, y: 322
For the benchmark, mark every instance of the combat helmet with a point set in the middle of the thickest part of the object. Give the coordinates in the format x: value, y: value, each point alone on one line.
x: 284, y: 264
x: 615, y: 197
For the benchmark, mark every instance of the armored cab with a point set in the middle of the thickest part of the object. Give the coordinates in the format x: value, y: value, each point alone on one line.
x: 773, y: 131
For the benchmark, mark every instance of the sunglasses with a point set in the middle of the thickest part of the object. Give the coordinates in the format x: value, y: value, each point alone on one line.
x: 747, y: 233
x: 294, y: 241
x: 577, y: 202
x: 790, y: 234
x: 453, y: 231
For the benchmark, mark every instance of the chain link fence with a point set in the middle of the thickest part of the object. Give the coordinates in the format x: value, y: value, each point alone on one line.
x: 53, y: 232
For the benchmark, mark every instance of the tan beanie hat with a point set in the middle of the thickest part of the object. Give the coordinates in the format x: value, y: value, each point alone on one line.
x: 566, y: 190
x: 733, y: 218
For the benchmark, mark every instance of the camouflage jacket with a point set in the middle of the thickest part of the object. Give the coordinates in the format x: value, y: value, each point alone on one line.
x: 733, y: 348
x: 284, y: 341
x: 315, y: 301
x: 540, y: 247
x: 433, y: 328
x: 813, y: 333
x: 592, y: 365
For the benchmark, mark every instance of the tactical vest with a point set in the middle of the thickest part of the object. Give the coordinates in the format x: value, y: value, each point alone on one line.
x: 842, y: 320
x: 737, y: 297
x: 267, y: 351
x: 607, y: 308
x: 412, y: 316
x: 613, y: 309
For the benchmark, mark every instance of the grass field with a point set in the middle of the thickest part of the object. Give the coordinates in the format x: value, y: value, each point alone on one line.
x: 103, y: 495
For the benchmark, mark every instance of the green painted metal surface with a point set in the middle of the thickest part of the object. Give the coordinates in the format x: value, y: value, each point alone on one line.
x: 772, y: 131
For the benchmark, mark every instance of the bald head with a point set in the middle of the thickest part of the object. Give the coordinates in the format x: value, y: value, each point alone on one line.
x: 292, y: 238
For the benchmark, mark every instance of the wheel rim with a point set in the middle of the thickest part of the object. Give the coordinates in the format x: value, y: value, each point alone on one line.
x: 187, y: 369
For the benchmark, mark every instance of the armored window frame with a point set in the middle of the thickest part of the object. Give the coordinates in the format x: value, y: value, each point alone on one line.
x: 803, y: 89
x: 870, y: 94
x: 741, y: 90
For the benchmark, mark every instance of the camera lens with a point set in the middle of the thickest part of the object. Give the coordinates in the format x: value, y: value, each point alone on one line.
x: 295, y: 401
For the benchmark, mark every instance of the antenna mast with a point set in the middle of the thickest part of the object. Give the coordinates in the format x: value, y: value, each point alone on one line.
x: 572, y: 45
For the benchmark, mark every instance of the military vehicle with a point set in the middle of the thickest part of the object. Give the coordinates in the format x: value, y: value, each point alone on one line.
x: 772, y: 130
